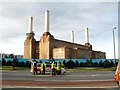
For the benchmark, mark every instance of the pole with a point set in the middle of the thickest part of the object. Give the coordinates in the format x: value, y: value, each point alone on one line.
x: 114, y: 48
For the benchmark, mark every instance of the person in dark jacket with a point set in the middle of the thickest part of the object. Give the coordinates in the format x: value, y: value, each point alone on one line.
x: 35, y: 68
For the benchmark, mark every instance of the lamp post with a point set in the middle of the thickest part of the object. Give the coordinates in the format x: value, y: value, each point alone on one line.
x: 114, y: 47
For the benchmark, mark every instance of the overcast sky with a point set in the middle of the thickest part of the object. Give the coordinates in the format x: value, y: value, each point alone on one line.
x: 99, y: 17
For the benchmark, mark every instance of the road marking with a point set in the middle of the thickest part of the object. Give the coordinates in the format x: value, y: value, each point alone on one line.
x: 68, y: 75
x: 77, y: 80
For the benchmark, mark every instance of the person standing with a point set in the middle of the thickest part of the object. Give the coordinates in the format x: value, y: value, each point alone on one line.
x: 53, y: 68
x: 13, y: 64
x: 35, y: 67
x: 43, y: 68
x: 58, y: 68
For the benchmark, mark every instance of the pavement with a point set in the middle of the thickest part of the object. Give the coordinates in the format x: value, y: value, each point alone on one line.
x: 61, y: 88
x: 82, y: 80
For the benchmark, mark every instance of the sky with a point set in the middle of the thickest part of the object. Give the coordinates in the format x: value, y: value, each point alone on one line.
x: 99, y: 17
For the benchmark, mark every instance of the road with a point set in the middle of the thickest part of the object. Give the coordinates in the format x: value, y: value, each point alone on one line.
x: 84, y: 80
x: 82, y: 75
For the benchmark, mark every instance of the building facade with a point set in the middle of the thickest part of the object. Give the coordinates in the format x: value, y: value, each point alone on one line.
x: 4, y: 55
x: 49, y: 47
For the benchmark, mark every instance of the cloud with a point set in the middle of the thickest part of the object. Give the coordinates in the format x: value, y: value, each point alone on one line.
x: 99, y: 17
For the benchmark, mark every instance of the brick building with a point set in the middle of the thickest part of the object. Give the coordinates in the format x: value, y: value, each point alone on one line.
x: 49, y: 47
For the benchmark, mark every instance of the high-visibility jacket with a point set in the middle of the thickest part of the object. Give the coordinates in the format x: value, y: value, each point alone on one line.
x: 58, y: 66
x: 43, y: 66
x: 53, y: 65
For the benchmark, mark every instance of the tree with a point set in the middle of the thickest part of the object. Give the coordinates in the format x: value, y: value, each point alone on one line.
x: 11, y: 56
x: 111, y: 64
x: 3, y: 61
x: 9, y: 63
x: 89, y: 62
x: 70, y: 64
x: 95, y: 64
x: 82, y: 64
x: 28, y: 64
x: 101, y: 64
x: 6, y: 56
x: 76, y: 63
x: 64, y: 63
x: 22, y: 64
x: 106, y: 64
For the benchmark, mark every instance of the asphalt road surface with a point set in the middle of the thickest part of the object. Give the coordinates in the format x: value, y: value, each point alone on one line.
x: 90, y: 80
x: 82, y: 75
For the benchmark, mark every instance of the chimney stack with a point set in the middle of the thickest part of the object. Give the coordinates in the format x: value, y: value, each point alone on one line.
x: 87, y: 35
x: 47, y: 21
x: 30, y: 24
x: 72, y: 36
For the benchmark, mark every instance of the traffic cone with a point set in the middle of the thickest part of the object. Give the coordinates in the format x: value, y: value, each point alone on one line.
x: 51, y: 74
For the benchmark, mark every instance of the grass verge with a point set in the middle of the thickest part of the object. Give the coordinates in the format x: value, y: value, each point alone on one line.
x: 16, y: 68
x: 91, y: 69
x: 67, y: 69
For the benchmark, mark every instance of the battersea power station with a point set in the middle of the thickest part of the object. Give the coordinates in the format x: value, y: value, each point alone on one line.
x: 48, y: 47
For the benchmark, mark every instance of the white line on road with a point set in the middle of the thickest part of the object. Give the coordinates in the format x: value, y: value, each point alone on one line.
x: 69, y: 75
x: 76, y: 80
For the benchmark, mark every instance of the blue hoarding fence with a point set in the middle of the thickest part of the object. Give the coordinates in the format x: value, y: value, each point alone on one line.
x: 59, y: 60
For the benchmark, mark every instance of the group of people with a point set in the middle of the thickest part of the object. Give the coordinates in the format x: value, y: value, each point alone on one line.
x: 55, y: 70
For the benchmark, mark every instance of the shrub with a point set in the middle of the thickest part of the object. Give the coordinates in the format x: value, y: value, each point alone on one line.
x: 89, y: 63
x: 106, y: 64
x: 70, y: 64
x: 9, y: 63
x: 82, y: 64
x: 3, y: 61
x: 95, y: 64
x: 76, y: 63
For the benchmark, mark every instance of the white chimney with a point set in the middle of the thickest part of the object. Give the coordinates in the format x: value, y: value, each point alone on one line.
x: 72, y: 36
x: 87, y: 35
x: 47, y: 21
x: 30, y: 24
